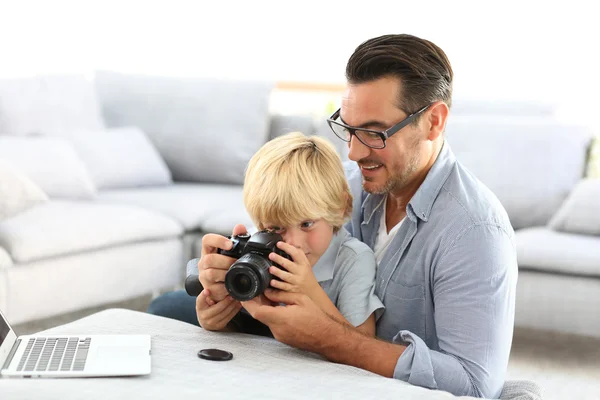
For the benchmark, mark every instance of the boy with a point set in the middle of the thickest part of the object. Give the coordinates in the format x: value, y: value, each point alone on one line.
x: 295, y: 186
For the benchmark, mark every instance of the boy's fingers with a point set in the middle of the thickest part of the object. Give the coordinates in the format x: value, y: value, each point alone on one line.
x: 284, y: 262
x: 281, y: 274
x: 239, y: 229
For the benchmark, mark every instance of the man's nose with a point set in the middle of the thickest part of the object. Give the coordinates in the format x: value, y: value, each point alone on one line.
x: 356, y: 149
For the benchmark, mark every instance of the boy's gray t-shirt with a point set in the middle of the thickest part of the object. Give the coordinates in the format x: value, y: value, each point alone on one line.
x: 346, y: 272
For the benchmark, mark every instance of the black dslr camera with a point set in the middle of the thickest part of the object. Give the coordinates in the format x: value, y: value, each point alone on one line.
x: 249, y: 275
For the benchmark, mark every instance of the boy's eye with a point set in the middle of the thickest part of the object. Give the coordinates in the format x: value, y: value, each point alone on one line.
x: 276, y: 229
x: 307, y: 224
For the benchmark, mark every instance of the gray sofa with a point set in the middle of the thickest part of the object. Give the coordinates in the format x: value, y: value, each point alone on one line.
x: 136, y: 170
x: 145, y: 195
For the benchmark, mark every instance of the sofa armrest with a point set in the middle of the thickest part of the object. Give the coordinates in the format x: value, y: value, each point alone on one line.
x: 281, y: 124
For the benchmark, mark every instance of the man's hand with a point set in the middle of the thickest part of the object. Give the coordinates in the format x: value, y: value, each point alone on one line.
x: 215, y: 317
x: 300, y: 323
x: 212, y: 267
x: 298, y: 276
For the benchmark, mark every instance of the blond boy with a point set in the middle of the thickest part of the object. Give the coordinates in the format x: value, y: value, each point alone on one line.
x: 295, y: 186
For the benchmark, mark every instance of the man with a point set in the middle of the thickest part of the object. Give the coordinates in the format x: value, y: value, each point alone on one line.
x: 447, y: 264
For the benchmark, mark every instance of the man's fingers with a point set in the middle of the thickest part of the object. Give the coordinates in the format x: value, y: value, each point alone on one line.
x: 239, y: 229
x: 252, y: 306
x: 288, y: 298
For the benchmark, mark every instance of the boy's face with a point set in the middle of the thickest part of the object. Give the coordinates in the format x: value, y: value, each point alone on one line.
x: 311, y: 236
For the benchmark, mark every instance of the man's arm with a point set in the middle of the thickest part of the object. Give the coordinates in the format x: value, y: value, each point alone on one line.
x: 474, y: 286
x: 302, y: 324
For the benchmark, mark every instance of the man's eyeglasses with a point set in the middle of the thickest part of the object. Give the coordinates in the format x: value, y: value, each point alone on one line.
x: 370, y: 138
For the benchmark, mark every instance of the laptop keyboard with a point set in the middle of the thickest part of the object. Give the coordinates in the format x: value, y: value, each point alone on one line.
x: 54, y: 354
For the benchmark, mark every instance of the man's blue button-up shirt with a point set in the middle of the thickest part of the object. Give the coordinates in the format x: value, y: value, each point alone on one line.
x: 447, y: 280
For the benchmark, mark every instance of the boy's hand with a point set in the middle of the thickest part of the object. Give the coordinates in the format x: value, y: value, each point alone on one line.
x: 298, y: 276
x: 215, y: 316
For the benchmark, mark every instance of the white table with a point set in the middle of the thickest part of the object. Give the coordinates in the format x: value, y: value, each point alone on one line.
x: 261, y: 368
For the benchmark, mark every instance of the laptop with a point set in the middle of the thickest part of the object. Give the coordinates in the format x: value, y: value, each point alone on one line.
x: 72, y: 356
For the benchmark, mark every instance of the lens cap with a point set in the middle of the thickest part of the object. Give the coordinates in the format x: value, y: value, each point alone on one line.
x: 215, y: 355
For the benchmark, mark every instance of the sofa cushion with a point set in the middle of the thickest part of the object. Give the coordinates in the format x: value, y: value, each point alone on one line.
x: 51, y: 163
x: 193, y: 205
x: 547, y: 250
x: 580, y: 213
x: 51, y: 104
x: 121, y: 158
x: 206, y: 129
x: 531, y: 164
x: 17, y: 192
x: 64, y: 227
x: 281, y: 124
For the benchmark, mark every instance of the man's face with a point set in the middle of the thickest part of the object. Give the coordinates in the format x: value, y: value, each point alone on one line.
x: 373, y: 105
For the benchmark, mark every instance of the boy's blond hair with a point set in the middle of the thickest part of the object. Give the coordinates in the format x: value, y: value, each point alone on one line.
x: 294, y: 178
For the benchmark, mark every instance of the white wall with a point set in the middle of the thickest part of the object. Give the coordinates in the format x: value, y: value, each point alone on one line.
x: 508, y: 49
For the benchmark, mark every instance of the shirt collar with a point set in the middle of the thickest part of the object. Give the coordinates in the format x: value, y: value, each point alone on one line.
x: 323, y: 269
x: 421, y: 203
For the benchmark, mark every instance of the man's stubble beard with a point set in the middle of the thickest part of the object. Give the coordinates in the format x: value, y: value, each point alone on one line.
x: 396, y: 182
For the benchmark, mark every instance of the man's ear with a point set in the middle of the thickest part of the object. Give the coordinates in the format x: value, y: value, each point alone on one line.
x: 438, y: 114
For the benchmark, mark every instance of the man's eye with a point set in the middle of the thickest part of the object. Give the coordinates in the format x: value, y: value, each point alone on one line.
x: 307, y: 224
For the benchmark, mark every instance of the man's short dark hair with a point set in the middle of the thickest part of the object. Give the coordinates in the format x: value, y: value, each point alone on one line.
x: 422, y: 67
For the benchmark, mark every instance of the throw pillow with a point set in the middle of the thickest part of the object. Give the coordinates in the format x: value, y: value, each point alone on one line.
x: 206, y: 129
x: 121, y: 158
x: 48, y: 105
x: 580, y: 213
x: 18, y: 193
x: 51, y: 163
x: 593, y: 167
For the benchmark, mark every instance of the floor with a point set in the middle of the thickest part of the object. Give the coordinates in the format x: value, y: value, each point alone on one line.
x: 567, y: 367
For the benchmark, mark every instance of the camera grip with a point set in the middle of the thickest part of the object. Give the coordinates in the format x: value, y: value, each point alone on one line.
x: 193, y: 287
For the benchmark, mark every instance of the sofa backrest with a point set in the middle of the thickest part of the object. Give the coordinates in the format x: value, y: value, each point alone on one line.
x: 48, y: 105
x: 530, y: 163
x: 205, y: 129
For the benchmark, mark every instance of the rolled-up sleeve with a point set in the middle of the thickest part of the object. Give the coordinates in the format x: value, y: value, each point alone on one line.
x: 473, y: 286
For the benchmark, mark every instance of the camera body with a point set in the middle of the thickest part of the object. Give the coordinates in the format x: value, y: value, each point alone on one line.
x: 249, y: 275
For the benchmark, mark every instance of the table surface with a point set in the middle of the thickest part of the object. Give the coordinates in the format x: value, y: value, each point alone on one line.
x: 261, y: 368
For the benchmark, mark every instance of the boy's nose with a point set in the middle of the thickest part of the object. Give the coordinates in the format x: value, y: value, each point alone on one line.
x: 293, y: 238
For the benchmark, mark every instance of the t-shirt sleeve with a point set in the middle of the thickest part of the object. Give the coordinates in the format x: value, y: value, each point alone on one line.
x: 357, y: 300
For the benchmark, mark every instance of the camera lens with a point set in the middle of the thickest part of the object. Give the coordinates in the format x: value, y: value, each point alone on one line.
x: 248, y: 277
x: 242, y: 283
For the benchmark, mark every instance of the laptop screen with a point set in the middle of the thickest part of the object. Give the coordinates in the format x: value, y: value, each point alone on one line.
x: 4, y: 329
